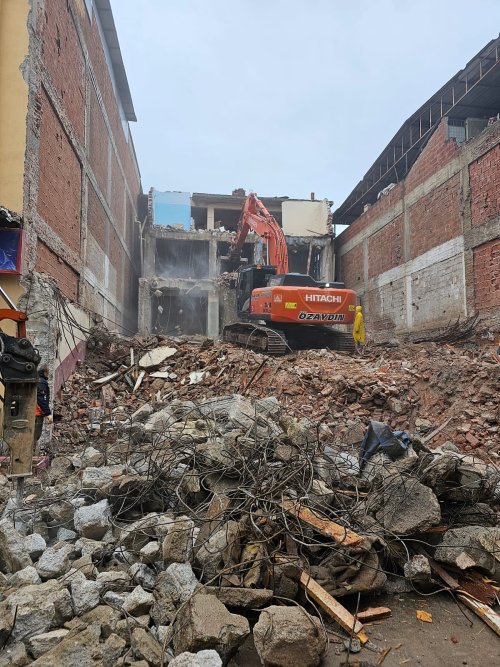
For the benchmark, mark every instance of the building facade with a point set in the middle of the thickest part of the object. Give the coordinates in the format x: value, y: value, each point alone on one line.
x: 68, y: 166
x: 423, y: 244
x: 186, y: 245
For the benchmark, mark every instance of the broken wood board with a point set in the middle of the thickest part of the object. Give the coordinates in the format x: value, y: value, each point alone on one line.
x: 435, y: 432
x: 485, y: 613
x: 333, y: 608
x: 163, y: 375
x: 374, y: 614
x: 326, y: 527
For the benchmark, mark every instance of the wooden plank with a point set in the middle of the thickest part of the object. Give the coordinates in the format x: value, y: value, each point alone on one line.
x: 485, y: 613
x: 373, y: 614
x: 435, y: 432
x: 333, y: 608
x: 328, y: 528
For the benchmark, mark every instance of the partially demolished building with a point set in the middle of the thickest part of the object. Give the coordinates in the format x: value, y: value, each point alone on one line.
x: 185, y: 246
x: 423, y: 244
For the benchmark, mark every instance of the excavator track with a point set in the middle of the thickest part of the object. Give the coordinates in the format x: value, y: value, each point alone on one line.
x: 279, y: 341
x: 256, y: 336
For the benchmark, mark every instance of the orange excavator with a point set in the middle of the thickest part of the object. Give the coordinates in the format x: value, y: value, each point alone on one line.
x: 281, y: 310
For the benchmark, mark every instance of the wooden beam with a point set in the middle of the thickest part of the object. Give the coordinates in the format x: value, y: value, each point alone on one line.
x: 328, y: 528
x: 374, y: 614
x: 333, y: 608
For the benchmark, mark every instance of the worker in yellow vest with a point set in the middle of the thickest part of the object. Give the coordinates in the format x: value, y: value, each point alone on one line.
x: 358, y: 331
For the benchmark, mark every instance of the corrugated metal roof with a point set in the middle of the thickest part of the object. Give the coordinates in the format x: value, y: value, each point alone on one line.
x: 474, y: 92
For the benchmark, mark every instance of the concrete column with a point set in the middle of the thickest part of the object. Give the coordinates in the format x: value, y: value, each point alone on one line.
x: 327, y: 266
x: 213, y: 315
x: 149, y: 268
x: 210, y: 217
x: 213, y: 271
x: 144, y: 315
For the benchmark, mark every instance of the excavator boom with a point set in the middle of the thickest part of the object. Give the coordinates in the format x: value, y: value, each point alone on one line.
x: 255, y: 217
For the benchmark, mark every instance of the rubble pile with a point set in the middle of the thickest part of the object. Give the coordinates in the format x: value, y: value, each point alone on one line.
x: 439, y: 392
x: 177, y: 522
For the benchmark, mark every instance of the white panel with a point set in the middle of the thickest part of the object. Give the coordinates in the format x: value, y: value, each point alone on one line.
x: 304, y: 218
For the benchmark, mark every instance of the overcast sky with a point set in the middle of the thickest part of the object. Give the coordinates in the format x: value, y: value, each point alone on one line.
x: 284, y: 97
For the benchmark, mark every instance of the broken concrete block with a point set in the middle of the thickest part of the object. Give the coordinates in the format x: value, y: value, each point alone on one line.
x: 84, y: 594
x: 139, y: 533
x: 178, y: 541
x: 143, y: 575
x: 66, y: 535
x: 205, y: 623
x: 27, y: 575
x: 40, y: 608
x: 143, y: 413
x: 286, y: 636
x: 470, y: 546
x: 150, y: 553
x: 112, y: 649
x: 145, y: 647
x: 35, y: 545
x: 55, y: 561
x: 220, y: 549
x: 207, y: 658
x: 40, y: 644
x: 13, y: 553
x: 418, y: 570
x: 14, y: 655
x: 244, y: 598
x: 86, y: 566
x: 89, y: 457
x: 404, y: 506
x: 437, y: 472
x: 173, y: 587
x: 138, y: 602
x: 93, y: 521
x: 80, y: 649
x: 114, y: 580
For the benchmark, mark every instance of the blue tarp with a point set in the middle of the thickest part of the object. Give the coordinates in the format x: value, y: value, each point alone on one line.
x: 172, y: 208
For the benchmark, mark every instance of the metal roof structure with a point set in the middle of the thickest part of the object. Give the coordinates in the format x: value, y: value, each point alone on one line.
x: 474, y: 92
x: 103, y: 7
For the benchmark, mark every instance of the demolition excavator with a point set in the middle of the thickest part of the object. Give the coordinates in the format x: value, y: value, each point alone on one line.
x: 18, y: 374
x: 279, y: 310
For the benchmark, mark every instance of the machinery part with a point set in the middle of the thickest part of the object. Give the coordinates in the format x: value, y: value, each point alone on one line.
x: 278, y: 341
x: 18, y: 368
x: 256, y: 336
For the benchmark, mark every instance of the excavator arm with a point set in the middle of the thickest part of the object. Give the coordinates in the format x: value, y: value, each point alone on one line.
x: 255, y: 217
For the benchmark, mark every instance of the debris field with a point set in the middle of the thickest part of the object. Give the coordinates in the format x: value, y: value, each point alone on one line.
x: 200, y: 494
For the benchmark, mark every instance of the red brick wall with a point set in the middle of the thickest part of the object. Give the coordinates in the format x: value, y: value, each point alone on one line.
x: 98, y: 144
x: 436, y: 154
x: 487, y: 275
x: 484, y: 178
x: 59, y: 188
x: 63, y: 59
x: 435, y: 219
x: 48, y: 262
x: 385, y: 248
x: 97, y: 219
x: 352, y: 267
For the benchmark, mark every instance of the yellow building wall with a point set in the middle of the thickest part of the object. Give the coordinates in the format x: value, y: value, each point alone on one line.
x: 14, y: 44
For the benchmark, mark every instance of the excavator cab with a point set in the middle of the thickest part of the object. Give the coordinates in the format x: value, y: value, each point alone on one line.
x: 250, y: 278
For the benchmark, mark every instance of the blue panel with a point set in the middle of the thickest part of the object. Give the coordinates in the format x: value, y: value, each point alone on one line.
x: 172, y: 208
